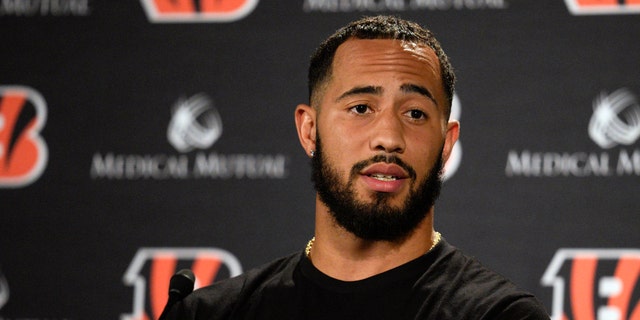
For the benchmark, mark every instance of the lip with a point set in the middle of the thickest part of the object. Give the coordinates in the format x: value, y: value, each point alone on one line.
x: 387, y: 169
x: 384, y: 169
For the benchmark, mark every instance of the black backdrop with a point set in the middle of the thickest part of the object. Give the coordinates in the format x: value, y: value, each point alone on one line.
x: 97, y: 204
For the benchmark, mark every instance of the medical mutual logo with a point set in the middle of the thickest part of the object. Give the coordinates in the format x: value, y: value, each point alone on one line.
x: 23, y: 151
x: 603, y: 7
x: 45, y: 8
x: 195, y: 125
x: 597, y: 284
x: 614, y: 128
x: 191, y: 11
x: 333, y: 6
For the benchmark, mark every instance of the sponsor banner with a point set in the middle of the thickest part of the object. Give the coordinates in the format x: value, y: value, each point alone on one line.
x: 597, y: 284
x: 603, y: 7
x: 166, y: 11
x: 23, y: 151
x: 195, y: 125
x: 399, y: 5
x: 614, y: 127
x: 195, y: 146
x: 152, y: 268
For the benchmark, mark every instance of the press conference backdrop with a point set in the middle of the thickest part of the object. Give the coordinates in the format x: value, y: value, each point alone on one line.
x: 141, y: 137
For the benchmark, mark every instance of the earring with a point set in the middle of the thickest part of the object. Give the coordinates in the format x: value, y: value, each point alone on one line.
x: 312, y: 153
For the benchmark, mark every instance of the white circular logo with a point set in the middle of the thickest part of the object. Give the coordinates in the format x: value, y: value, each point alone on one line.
x: 195, y: 124
x: 616, y: 119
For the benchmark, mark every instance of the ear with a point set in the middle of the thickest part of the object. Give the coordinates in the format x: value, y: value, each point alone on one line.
x: 453, y: 131
x: 306, y: 125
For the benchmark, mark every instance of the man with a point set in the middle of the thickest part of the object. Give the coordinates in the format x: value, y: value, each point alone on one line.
x: 378, y: 132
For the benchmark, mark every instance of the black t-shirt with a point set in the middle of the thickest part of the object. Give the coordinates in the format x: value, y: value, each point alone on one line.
x: 442, y: 284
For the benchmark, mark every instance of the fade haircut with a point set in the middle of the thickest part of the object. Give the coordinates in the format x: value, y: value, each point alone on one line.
x: 378, y: 27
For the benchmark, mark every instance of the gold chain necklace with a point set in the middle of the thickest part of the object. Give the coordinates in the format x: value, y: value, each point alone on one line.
x: 307, y: 249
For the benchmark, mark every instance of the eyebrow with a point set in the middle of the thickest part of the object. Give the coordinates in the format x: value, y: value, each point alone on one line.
x: 412, y: 88
x: 360, y: 90
x: 405, y: 88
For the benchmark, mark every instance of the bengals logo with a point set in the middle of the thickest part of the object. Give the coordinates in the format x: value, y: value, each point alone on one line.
x: 594, y: 284
x: 579, y: 7
x: 159, y: 11
x: 23, y: 152
x: 152, y: 268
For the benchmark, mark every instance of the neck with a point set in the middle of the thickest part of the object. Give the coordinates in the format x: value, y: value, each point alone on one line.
x: 343, y: 256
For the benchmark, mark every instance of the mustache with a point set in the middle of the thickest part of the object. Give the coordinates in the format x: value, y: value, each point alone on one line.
x: 380, y: 158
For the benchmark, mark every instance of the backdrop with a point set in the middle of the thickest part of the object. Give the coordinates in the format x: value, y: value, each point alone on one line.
x: 141, y: 137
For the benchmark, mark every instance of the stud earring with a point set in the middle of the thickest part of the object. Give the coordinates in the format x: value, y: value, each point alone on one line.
x: 312, y: 153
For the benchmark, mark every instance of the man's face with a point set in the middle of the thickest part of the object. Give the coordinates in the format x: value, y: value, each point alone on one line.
x: 381, y: 137
x: 376, y: 219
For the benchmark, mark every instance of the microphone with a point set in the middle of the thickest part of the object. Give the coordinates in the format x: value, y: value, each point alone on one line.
x: 180, y: 285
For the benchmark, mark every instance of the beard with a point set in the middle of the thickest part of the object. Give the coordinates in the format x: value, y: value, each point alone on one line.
x: 377, y: 219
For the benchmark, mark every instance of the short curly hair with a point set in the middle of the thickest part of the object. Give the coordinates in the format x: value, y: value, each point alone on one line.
x: 377, y: 27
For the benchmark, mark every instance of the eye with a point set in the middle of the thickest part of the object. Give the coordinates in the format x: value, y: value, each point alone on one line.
x: 416, y: 114
x: 360, y: 109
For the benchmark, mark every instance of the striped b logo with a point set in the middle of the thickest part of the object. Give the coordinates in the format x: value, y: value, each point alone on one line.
x: 594, y: 284
x: 23, y: 152
x: 152, y: 268
x: 602, y: 7
x: 166, y: 11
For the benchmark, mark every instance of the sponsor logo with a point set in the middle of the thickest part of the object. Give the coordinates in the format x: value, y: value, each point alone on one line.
x: 195, y: 124
x: 151, y: 269
x: 455, y: 158
x: 600, y: 284
x: 4, y: 291
x: 23, y: 152
x: 166, y: 11
x: 583, y: 7
x: 54, y: 8
x: 400, y: 5
x: 615, y: 121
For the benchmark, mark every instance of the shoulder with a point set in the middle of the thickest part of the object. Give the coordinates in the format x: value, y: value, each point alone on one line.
x: 220, y: 300
x: 525, y: 307
x: 476, y: 289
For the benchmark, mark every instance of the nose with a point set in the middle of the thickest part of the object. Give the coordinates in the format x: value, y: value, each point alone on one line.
x: 387, y: 133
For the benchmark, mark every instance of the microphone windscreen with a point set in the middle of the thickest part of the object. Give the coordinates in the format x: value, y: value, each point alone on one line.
x: 181, y: 283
